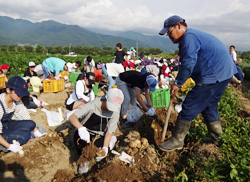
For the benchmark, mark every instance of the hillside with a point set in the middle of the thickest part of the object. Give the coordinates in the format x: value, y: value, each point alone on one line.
x: 51, y: 33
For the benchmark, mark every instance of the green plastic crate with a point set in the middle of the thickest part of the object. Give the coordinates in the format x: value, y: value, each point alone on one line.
x: 73, y: 76
x: 95, y: 88
x: 160, y: 98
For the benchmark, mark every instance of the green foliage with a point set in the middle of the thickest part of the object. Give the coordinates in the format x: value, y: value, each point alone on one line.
x: 232, y: 161
x: 245, y: 66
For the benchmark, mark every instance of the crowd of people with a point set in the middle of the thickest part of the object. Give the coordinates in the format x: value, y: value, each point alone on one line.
x: 202, y: 57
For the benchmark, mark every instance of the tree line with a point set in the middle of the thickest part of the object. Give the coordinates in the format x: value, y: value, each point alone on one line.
x: 80, y: 50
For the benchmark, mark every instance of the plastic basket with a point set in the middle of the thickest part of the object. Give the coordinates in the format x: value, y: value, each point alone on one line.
x: 95, y: 88
x: 64, y: 73
x: 73, y: 76
x: 160, y: 98
x: 53, y: 85
x: 2, y: 81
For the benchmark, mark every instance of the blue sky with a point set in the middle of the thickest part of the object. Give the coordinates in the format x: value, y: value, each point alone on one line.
x: 226, y: 19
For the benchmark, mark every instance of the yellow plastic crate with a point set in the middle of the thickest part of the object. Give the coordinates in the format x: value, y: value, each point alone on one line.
x: 64, y: 73
x: 2, y: 81
x: 53, y: 85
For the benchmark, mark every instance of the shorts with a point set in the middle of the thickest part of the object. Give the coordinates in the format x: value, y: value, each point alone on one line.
x: 70, y: 107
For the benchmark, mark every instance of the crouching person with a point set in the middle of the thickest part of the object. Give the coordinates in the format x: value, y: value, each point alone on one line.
x: 15, y: 123
x: 99, y: 117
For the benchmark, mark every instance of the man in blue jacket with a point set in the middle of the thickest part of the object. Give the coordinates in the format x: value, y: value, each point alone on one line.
x: 205, y: 59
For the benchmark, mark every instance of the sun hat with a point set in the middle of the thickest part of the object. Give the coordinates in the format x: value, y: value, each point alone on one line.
x: 35, y: 82
x: 151, y: 81
x: 19, y: 85
x: 4, y: 66
x: 114, y: 98
x: 91, y: 77
x: 32, y: 64
x: 171, y: 21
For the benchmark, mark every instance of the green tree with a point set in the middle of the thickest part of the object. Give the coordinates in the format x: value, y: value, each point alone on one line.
x: 49, y: 49
x: 107, y: 51
x: 85, y: 50
x: 4, y: 48
x: 39, y: 49
x: 57, y: 49
x: 19, y: 49
x: 77, y: 49
x: 28, y: 48
x: 12, y: 48
x: 95, y: 51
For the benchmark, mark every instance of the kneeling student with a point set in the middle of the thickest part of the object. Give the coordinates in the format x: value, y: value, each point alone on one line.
x: 15, y: 123
x: 99, y: 117
x: 83, y: 92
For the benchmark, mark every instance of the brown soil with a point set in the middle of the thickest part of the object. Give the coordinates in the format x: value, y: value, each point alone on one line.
x: 53, y: 157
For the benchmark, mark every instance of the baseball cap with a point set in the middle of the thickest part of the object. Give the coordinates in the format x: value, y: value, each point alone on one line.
x: 151, y: 81
x: 91, y: 77
x: 4, y: 66
x: 18, y: 85
x: 114, y: 99
x: 35, y: 82
x: 171, y: 21
x: 32, y: 64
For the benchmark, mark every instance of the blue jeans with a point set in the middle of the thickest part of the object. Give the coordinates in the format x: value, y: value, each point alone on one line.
x: 110, y: 79
x: 18, y: 130
x: 47, y: 71
x: 129, y: 95
x: 203, y: 98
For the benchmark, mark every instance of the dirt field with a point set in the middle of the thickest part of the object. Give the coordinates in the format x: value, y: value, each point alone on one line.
x: 53, y: 157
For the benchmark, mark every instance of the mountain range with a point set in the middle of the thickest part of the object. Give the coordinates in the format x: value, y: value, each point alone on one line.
x: 52, y: 33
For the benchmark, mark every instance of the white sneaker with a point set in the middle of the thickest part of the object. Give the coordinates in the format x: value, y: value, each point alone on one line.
x: 83, y: 169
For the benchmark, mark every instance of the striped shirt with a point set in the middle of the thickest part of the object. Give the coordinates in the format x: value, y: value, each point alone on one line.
x: 20, y: 111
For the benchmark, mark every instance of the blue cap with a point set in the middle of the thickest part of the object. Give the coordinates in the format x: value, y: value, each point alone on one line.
x: 151, y: 81
x: 171, y: 21
x: 19, y: 85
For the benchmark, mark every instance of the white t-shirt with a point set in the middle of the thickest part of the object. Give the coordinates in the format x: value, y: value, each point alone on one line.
x: 234, y: 56
x: 114, y: 69
x: 90, y: 64
x: 20, y: 111
x: 78, y: 93
x: 71, y: 67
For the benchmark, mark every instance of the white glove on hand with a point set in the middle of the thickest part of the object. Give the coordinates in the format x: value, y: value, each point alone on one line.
x: 15, y: 148
x: 84, y: 134
x: 151, y: 111
x: 98, y: 159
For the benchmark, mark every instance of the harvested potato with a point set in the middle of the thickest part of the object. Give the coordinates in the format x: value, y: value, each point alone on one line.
x: 144, y: 142
x: 101, y: 153
x: 134, y: 134
x: 135, y: 144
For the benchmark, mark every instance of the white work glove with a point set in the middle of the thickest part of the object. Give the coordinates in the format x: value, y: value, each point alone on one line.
x: 98, y: 159
x: 38, y: 134
x: 151, y: 111
x: 15, y: 148
x: 84, y: 134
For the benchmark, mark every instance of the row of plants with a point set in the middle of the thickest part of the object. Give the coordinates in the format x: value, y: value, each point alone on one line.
x: 232, y: 161
x: 80, y: 50
x: 18, y: 61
